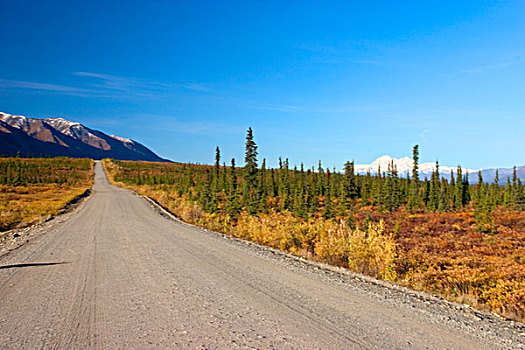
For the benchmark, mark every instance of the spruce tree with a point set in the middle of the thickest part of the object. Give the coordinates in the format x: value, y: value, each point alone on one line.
x: 495, y: 191
x: 217, y: 162
x: 216, y: 182
x: 273, y: 185
x: 480, y: 189
x: 320, y: 179
x: 207, y: 196
x: 310, y: 198
x: 516, y: 190
x: 466, y: 190
x: 284, y: 186
x: 233, y: 204
x: 250, y: 174
x: 507, y: 195
x: 328, y: 207
x: 444, y: 197
x: 263, y: 195
x: 413, y: 199
x: 434, y: 192
x: 352, y: 190
x: 366, y: 188
x: 426, y: 193
x: 224, y: 180
x: 342, y: 201
x: 458, y: 191
x: 520, y: 200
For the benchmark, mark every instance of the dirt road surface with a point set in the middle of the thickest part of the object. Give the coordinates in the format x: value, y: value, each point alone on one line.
x: 117, y: 275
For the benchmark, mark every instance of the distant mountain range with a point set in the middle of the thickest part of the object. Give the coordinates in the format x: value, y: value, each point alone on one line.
x: 52, y: 137
x: 404, y: 166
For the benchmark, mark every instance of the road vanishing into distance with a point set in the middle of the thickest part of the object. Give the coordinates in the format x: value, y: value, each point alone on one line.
x: 117, y: 274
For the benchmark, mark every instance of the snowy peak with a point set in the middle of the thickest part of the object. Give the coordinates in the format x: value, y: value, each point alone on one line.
x: 383, y: 162
x: 62, y: 125
x: 18, y: 121
x: 77, y: 131
x: 61, y: 137
x: 404, y: 166
x: 122, y: 139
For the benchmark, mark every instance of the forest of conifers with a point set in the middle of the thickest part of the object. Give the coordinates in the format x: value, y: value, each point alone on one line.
x: 321, y: 192
x: 59, y: 170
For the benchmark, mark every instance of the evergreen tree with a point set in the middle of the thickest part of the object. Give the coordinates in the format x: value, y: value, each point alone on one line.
x: 413, y: 199
x: 391, y: 190
x: 250, y: 174
x: 519, y: 200
x: 517, y: 197
x: 342, y: 201
x: 284, y: 186
x: 483, y: 207
x: 495, y: 190
x: 224, y: 180
x: 328, y: 207
x: 366, y: 188
x: 426, y: 191
x: 507, y: 195
x: 233, y: 204
x: 273, y: 186
x: 480, y: 189
x: 352, y: 190
x: 311, y: 198
x: 320, y: 180
x: 458, y: 191
x: 216, y: 181
x: 217, y: 162
x: 434, y: 192
x: 465, y: 198
x: 444, y: 197
x: 263, y: 195
x: 208, y: 197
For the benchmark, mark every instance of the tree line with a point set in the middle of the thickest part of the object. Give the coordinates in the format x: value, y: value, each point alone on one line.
x: 60, y: 170
x: 323, y: 192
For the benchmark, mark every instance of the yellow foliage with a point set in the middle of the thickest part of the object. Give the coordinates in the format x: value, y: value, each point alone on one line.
x: 367, y: 251
x: 437, y: 253
x: 21, y: 206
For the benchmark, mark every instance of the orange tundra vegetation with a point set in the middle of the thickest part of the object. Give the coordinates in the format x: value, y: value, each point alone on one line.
x: 36, y: 188
x: 445, y: 254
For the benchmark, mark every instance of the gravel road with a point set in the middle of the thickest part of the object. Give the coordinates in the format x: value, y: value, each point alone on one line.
x: 117, y: 275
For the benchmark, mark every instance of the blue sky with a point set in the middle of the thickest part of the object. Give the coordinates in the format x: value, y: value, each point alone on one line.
x: 330, y: 80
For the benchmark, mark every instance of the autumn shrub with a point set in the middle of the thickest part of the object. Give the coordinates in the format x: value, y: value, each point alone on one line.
x: 36, y: 188
x: 369, y: 251
x: 507, y: 297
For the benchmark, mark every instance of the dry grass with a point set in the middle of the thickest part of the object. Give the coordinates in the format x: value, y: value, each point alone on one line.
x: 23, y: 205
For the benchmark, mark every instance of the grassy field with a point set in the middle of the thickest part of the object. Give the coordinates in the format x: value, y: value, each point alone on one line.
x: 444, y: 254
x: 36, y: 188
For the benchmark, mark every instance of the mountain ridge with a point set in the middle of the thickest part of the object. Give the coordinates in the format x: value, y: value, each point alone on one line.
x: 30, y: 137
x: 404, y: 167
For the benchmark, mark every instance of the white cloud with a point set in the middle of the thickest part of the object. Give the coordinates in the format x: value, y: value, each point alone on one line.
x: 483, y: 69
x: 64, y: 89
x: 106, y: 86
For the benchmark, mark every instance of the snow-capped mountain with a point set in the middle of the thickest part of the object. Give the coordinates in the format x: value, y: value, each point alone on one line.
x: 61, y: 137
x: 404, y: 166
